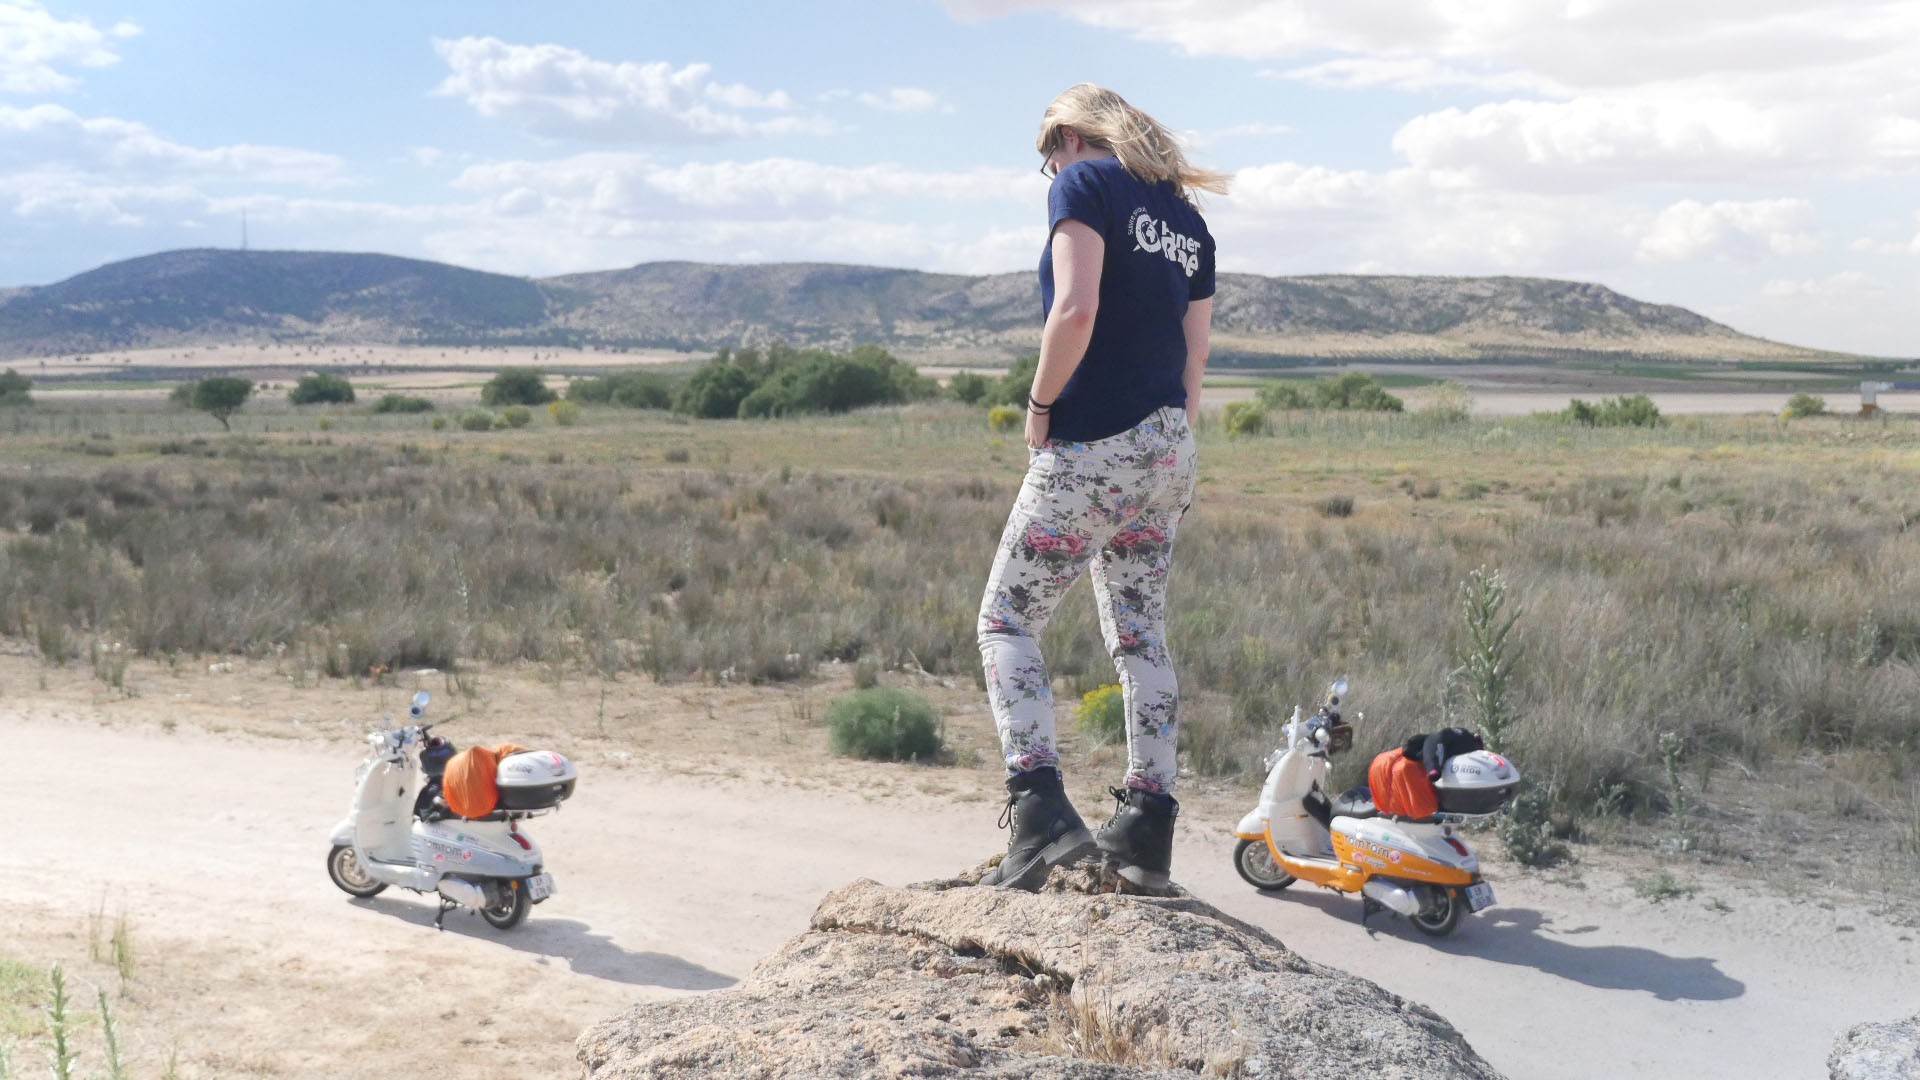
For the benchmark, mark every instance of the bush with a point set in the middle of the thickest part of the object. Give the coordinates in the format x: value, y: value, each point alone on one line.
x: 564, y: 413
x: 439, y: 423
x: 823, y: 382
x: 14, y: 388
x: 321, y: 389
x: 516, y: 386
x: 1450, y: 403
x: 476, y: 420
x: 1245, y: 418
x: 221, y: 396
x: 326, y: 423
x: 1285, y: 395
x: 1355, y: 390
x: 969, y: 387
x: 1102, y: 713
x: 715, y: 391
x: 1803, y: 405
x: 517, y: 416
x: 1003, y: 418
x: 1637, y: 410
x: 401, y: 403
x: 633, y: 389
x: 885, y: 724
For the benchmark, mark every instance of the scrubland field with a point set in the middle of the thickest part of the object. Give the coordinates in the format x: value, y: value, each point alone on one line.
x: 1715, y: 665
x: 1745, y: 586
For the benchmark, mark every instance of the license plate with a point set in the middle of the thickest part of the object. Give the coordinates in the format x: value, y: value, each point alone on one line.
x: 1479, y: 897
x: 540, y: 886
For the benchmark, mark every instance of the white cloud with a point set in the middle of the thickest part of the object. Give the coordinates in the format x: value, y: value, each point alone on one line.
x: 49, y: 137
x: 35, y: 45
x: 1691, y: 231
x: 901, y: 99
x: 559, y: 92
x: 626, y: 185
x: 1845, y: 285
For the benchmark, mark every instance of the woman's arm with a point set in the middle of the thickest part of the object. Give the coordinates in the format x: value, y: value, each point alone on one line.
x: 1078, y: 253
x: 1199, y: 327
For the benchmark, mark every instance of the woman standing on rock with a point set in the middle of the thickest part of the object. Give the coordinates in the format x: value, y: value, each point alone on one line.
x: 1126, y: 285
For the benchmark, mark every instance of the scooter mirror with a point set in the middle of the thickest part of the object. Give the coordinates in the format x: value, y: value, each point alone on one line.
x: 1338, y: 689
x: 419, y: 706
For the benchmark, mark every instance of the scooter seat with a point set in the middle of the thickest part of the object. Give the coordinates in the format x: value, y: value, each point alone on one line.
x: 1355, y: 802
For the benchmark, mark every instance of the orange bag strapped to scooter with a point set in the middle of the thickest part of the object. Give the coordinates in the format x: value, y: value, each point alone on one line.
x: 1400, y: 786
x: 470, y: 785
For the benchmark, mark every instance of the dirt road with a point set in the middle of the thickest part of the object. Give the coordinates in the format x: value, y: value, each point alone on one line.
x: 250, y: 963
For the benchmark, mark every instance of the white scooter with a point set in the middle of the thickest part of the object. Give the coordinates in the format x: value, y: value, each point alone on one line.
x: 1421, y: 869
x: 486, y: 865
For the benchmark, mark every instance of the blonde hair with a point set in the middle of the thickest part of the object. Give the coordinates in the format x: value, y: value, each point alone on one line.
x: 1149, y: 151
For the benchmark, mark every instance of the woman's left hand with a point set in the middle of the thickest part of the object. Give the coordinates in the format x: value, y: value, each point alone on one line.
x: 1037, y: 424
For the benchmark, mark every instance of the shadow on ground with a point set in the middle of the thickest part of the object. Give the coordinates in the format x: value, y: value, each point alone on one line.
x: 1527, y: 938
x: 586, y: 952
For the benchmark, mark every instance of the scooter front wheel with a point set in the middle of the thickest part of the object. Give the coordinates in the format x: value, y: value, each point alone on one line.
x: 1257, y: 868
x: 1442, y: 915
x: 512, y: 909
x: 343, y: 866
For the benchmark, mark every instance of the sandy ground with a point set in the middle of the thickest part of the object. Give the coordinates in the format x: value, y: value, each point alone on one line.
x: 200, y: 809
x: 327, y: 357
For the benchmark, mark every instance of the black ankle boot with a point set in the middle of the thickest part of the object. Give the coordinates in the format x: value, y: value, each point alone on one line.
x: 1046, y: 830
x: 1139, y: 836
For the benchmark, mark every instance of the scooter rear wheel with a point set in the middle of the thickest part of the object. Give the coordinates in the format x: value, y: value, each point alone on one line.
x: 1257, y: 867
x: 1440, y: 919
x: 512, y: 909
x: 345, y: 870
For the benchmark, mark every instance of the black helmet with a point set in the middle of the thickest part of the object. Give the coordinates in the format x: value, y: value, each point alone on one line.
x: 435, y: 755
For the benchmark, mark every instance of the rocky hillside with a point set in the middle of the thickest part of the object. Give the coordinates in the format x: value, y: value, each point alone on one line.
x: 211, y: 296
x: 947, y: 979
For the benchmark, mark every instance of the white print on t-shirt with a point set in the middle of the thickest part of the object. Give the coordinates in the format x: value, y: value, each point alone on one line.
x: 1152, y: 234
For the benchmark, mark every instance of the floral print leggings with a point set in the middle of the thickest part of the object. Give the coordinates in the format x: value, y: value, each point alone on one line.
x: 1111, y: 506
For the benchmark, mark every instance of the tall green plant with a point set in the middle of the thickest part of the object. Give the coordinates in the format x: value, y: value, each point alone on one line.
x: 1491, y: 654
x: 59, y: 1025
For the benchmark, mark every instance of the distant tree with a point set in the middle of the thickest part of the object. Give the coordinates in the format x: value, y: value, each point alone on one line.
x: 715, y: 391
x: 969, y: 387
x: 14, y: 387
x: 516, y: 386
x: 222, y: 396
x: 402, y: 403
x: 1285, y: 395
x: 1355, y: 390
x: 181, y: 396
x: 321, y: 389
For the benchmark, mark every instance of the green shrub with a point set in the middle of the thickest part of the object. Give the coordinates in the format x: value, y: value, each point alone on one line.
x: 326, y: 423
x: 221, y: 396
x: 181, y: 396
x: 1244, y: 418
x: 1637, y: 410
x: 1012, y: 388
x: 823, y: 382
x: 1803, y: 405
x: 516, y: 386
x: 321, y: 389
x: 14, y: 388
x: 401, y: 403
x: 969, y: 387
x: 439, y: 423
x: 715, y: 391
x: 885, y: 723
x: 564, y: 413
x: 518, y: 416
x: 595, y: 391
x: 1003, y: 418
x: 1102, y: 713
x: 1285, y: 395
x: 1355, y: 390
x: 1449, y: 403
x: 476, y: 420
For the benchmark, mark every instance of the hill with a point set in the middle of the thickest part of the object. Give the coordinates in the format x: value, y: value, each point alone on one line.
x: 207, y: 296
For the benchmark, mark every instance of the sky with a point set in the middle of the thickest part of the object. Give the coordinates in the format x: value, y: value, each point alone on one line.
x: 1757, y: 161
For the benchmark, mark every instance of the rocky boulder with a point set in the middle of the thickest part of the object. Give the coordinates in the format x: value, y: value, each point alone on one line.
x: 1877, y: 1052
x: 949, y: 979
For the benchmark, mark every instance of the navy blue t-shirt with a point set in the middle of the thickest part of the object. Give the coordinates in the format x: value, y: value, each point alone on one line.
x: 1159, y: 257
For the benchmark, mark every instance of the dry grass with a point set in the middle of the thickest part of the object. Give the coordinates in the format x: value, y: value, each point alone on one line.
x: 1743, y: 583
